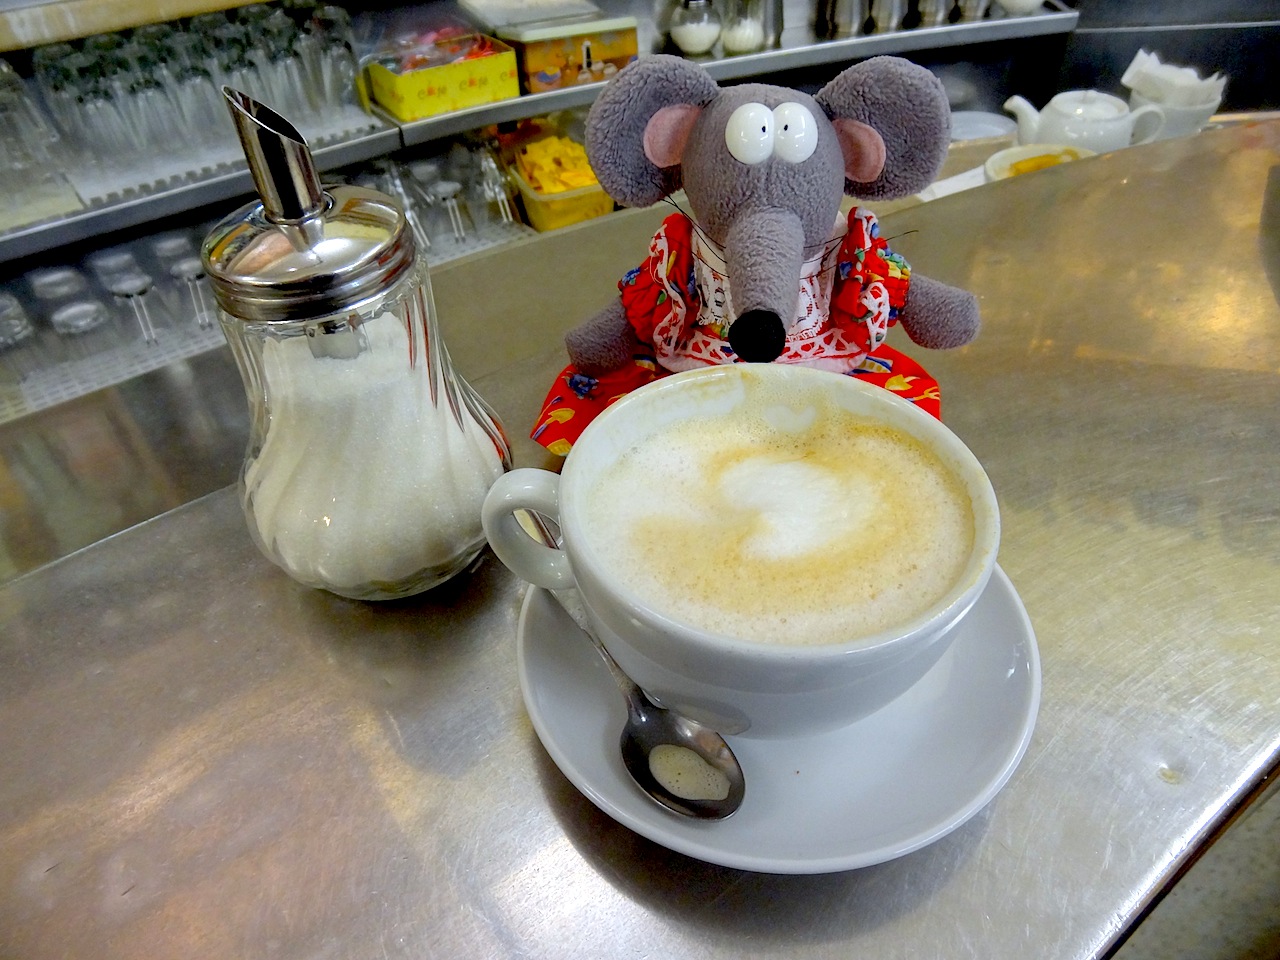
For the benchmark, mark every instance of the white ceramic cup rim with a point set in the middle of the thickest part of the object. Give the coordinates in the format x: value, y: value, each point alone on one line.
x: 1137, y: 99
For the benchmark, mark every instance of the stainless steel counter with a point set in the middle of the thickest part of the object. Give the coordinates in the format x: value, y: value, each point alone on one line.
x: 200, y: 758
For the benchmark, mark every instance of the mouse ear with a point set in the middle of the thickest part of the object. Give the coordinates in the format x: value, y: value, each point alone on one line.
x: 646, y: 112
x: 907, y: 107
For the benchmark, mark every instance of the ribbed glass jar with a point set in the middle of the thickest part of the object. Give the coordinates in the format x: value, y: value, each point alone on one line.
x: 368, y: 455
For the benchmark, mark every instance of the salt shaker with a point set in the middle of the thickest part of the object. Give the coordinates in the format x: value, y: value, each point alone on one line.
x: 695, y: 27
x: 744, y: 28
x: 368, y: 456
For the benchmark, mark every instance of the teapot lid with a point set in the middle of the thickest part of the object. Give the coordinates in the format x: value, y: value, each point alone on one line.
x: 1090, y: 105
x: 303, y: 250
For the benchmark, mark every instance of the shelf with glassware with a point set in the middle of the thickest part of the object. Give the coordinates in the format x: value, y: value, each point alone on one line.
x: 133, y: 130
x: 799, y: 46
x: 75, y: 325
x: 25, y: 24
x: 122, y: 128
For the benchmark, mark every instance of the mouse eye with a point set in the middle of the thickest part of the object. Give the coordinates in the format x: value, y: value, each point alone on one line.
x: 749, y: 133
x: 795, y: 132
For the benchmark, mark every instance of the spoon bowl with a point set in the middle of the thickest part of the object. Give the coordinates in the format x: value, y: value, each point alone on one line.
x: 679, y: 763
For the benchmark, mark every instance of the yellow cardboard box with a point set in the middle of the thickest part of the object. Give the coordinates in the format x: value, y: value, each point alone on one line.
x: 415, y: 94
x: 554, y: 54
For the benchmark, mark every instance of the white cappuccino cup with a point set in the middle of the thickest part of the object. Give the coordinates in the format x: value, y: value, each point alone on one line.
x: 772, y: 550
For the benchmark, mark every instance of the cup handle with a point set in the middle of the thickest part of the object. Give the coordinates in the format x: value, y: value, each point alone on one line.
x: 1156, y: 126
x: 527, y: 558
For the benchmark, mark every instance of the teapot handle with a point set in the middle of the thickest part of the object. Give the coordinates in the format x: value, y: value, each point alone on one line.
x: 1157, y: 125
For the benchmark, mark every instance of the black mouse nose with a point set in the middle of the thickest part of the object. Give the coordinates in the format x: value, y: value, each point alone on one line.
x: 758, y: 336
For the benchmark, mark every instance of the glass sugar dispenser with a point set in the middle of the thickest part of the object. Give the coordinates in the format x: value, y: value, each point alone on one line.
x: 368, y: 456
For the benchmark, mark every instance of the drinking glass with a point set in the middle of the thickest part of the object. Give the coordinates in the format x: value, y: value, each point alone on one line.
x: 254, y: 14
x: 100, y: 126
x: 153, y: 35
x: 54, y: 82
x: 17, y: 337
x: 183, y: 284
x: 146, y: 105
x: 282, y: 68
x: 236, y: 67
x: 449, y: 219
x: 490, y: 191
x: 744, y: 30
x: 198, y: 101
x: 25, y: 147
x: 338, y: 61
x: 65, y: 300
x: 133, y: 289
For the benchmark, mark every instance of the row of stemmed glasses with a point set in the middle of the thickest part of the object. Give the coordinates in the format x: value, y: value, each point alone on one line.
x: 161, y: 285
x: 125, y: 297
x: 447, y: 198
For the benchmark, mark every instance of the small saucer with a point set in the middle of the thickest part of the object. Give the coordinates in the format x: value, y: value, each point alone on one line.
x: 977, y: 125
x: 891, y: 783
x: 1004, y: 164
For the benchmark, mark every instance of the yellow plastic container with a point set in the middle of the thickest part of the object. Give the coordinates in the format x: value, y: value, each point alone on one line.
x: 550, y: 211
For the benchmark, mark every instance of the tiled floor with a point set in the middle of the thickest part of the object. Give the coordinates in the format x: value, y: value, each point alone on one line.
x: 1227, y: 907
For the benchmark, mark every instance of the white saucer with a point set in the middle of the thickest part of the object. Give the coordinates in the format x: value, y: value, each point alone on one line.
x: 889, y: 784
x: 976, y: 125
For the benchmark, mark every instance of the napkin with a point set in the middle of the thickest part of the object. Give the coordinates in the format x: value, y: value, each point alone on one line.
x: 961, y: 181
x: 1172, y: 86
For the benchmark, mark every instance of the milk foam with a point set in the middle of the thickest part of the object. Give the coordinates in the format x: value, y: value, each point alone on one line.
x: 684, y: 774
x: 774, y: 525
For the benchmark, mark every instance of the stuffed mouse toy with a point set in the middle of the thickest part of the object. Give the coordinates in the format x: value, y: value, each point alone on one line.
x: 765, y: 269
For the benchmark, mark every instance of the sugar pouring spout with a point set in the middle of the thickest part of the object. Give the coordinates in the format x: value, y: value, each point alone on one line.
x: 280, y: 161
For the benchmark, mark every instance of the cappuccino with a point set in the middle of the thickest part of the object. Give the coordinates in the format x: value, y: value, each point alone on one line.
x: 787, y: 520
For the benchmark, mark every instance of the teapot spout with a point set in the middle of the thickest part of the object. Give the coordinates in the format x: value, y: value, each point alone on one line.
x: 1027, y: 116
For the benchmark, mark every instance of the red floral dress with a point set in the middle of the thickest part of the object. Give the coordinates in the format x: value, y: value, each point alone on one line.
x: 679, y: 303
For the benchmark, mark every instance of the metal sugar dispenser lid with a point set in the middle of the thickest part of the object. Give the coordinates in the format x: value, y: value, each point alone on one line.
x: 304, y: 251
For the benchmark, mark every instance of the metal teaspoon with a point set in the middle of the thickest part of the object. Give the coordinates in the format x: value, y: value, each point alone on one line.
x: 681, y: 764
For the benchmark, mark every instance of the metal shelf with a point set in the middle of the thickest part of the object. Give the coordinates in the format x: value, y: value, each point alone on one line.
x: 50, y: 369
x: 799, y: 49
x: 178, y: 195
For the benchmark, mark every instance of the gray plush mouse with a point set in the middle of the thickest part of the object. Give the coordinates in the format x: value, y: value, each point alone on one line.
x: 765, y: 269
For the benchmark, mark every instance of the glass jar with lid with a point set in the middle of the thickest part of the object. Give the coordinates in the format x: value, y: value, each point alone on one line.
x: 368, y: 455
x: 695, y: 27
x: 744, y: 27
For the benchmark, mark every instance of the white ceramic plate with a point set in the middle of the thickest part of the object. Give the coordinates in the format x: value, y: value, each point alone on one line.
x: 975, y: 125
x: 889, y: 784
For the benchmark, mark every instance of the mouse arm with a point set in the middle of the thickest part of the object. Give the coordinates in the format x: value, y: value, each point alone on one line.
x: 937, y: 315
x: 603, y: 343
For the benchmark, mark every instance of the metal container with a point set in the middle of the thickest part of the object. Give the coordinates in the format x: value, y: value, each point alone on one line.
x: 368, y: 455
x: 839, y: 18
x: 848, y: 18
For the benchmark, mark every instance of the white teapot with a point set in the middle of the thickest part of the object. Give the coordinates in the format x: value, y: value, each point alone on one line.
x: 1085, y: 118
